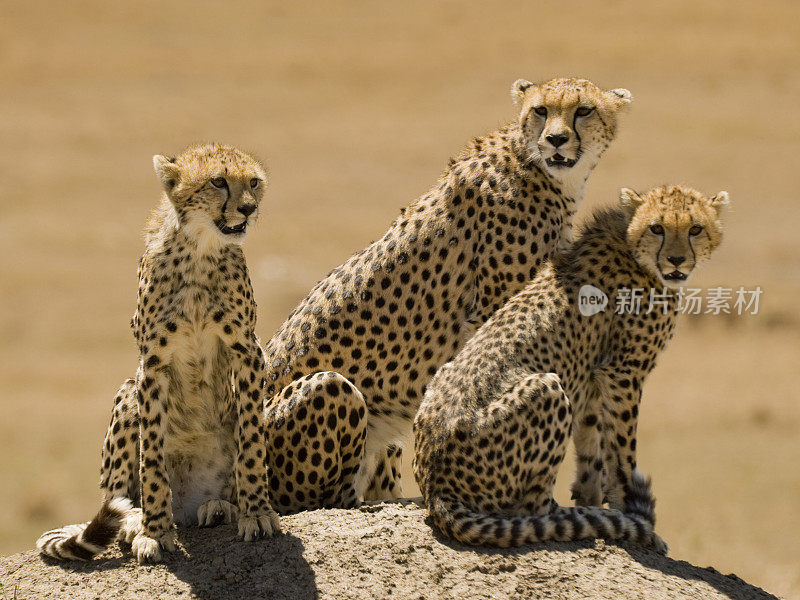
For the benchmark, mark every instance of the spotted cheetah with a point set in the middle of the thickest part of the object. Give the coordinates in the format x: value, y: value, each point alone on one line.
x: 492, y: 428
x: 195, y: 403
x: 382, y: 323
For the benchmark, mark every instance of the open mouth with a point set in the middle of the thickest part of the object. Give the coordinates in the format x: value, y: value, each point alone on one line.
x: 675, y: 276
x: 560, y: 162
x: 236, y: 229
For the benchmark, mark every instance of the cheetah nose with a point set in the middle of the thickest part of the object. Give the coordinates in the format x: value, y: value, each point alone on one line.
x: 557, y: 140
x: 676, y: 260
x: 247, y: 209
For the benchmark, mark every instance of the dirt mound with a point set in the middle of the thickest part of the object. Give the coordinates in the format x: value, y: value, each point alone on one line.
x: 386, y: 551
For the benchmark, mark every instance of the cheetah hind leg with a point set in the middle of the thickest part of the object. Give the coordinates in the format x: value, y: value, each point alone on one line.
x: 131, y: 526
x: 316, y: 431
x: 386, y: 483
x: 119, y: 470
x: 588, y: 488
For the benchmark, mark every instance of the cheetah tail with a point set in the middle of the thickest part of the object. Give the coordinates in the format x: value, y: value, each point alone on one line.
x: 639, y: 499
x: 84, y: 541
x: 564, y: 524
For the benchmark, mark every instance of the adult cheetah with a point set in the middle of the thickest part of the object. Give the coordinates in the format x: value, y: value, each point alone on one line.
x: 195, y: 403
x: 492, y: 429
x: 380, y: 325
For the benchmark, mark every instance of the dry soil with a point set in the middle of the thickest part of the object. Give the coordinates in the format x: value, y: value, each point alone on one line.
x: 376, y: 552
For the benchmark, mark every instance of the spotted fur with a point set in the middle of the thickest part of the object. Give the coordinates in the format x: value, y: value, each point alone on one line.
x: 492, y: 429
x: 186, y: 439
x: 387, y: 318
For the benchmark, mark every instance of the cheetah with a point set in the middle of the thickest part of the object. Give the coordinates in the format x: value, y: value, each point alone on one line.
x: 195, y: 402
x: 379, y: 325
x: 493, y: 426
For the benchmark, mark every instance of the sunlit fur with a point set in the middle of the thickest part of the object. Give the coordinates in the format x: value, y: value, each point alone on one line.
x: 587, y: 137
x: 677, y: 209
x: 185, y: 438
x: 492, y: 428
x: 391, y: 315
x: 193, y: 203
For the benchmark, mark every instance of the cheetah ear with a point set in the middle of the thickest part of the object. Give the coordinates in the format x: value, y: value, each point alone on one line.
x: 167, y: 171
x: 629, y: 198
x: 621, y: 97
x: 721, y: 201
x: 518, y: 89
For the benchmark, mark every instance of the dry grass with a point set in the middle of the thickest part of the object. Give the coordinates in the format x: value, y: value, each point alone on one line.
x: 356, y: 108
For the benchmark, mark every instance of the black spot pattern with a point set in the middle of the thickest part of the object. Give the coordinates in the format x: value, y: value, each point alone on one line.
x: 492, y: 429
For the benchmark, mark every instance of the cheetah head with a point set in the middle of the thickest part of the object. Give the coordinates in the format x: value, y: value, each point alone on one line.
x: 567, y: 123
x: 672, y: 228
x: 214, y: 189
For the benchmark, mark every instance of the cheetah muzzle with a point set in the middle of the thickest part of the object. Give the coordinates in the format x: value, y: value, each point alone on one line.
x: 231, y: 230
x: 675, y: 276
x: 560, y: 162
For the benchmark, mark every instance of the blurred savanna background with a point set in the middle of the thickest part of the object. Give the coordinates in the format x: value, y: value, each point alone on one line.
x: 356, y: 107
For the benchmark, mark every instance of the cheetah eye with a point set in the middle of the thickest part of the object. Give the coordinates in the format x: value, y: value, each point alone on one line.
x: 584, y: 111
x: 541, y: 111
x: 254, y: 183
x: 657, y: 229
x: 219, y: 182
x: 695, y: 229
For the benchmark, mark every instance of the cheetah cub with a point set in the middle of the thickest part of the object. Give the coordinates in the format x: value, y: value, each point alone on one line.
x: 347, y: 369
x: 195, y: 402
x: 493, y: 427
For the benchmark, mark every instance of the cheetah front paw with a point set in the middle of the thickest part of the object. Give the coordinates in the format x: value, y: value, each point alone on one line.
x: 216, y: 512
x: 261, y: 526
x: 148, y: 549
